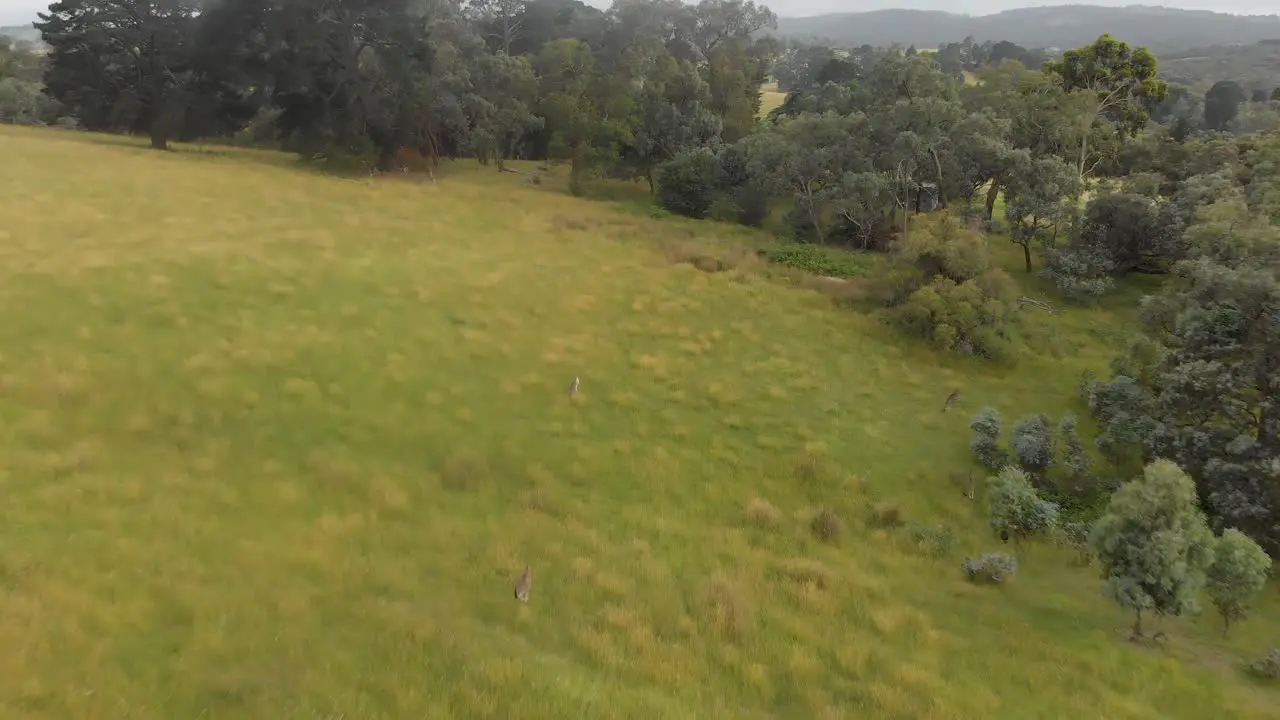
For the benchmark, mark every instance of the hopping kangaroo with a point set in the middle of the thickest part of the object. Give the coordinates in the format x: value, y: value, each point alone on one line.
x: 951, y: 400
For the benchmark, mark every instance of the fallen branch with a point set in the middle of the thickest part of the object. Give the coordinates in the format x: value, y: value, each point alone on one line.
x: 1038, y: 303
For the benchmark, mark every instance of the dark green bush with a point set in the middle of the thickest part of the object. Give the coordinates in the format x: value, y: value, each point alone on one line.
x: 687, y: 183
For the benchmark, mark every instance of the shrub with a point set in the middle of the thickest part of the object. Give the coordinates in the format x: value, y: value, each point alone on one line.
x: 887, y: 516
x: 1080, y: 273
x: 799, y: 224
x: 1031, y: 444
x: 985, y: 443
x: 817, y: 260
x: 23, y: 103
x: 763, y: 514
x: 946, y: 248
x: 1015, y: 508
x: 826, y: 525
x: 933, y: 540
x: 991, y: 568
x: 752, y: 205
x: 1268, y: 666
x: 1074, y: 457
x: 970, y: 318
x: 687, y: 183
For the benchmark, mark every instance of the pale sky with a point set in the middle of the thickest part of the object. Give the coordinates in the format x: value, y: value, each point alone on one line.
x: 17, y: 12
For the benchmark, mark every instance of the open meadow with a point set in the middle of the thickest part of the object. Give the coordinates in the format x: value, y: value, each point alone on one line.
x: 277, y: 444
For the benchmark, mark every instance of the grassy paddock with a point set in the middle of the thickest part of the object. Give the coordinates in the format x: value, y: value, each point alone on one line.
x: 277, y: 444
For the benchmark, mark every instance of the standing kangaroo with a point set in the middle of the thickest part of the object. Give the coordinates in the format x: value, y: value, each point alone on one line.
x: 573, y: 386
x: 524, y: 583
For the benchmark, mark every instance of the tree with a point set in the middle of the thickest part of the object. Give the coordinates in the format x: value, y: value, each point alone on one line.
x: 1014, y: 507
x: 674, y: 115
x: 984, y: 443
x: 1117, y: 85
x: 1237, y: 573
x: 501, y: 106
x: 1134, y: 232
x: 1258, y: 96
x: 1275, y: 95
x: 587, y: 111
x: 1036, y: 111
x: 1201, y: 385
x: 805, y: 157
x: 717, y: 21
x: 1031, y: 444
x: 501, y: 21
x: 1222, y: 104
x: 122, y: 64
x: 1153, y: 544
x: 1040, y: 196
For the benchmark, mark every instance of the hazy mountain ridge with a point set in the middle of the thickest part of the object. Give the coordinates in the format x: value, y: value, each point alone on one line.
x: 1158, y: 28
x: 22, y: 32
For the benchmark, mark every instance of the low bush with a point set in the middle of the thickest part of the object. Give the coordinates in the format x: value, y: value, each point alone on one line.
x: 886, y: 516
x: 1268, y: 666
x: 1014, y: 507
x: 826, y: 525
x: 24, y: 103
x: 933, y: 540
x: 991, y: 568
x: 818, y: 260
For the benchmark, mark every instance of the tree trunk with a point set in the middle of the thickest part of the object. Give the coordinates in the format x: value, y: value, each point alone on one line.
x: 159, y: 138
x: 1084, y: 149
x: 1137, y: 626
x: 937, y: 164
x: 992, y: 193
x: 1026, y: 253
x: 648, y: 177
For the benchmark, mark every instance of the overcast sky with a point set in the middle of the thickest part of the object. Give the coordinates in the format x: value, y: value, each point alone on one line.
x: 16, y: 12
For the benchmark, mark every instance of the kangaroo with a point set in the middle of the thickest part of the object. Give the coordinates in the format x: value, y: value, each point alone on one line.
x: 524, y: 583
x: 573, y: 386
x: 951, y: 400
x: 972, y: 486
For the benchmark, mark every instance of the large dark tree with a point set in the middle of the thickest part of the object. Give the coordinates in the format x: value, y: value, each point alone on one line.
x: 1222, y: 104
x: 123, y: 64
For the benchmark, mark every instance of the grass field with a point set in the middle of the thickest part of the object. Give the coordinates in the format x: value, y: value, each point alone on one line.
x: 277, y: 444
x: 770, y: 98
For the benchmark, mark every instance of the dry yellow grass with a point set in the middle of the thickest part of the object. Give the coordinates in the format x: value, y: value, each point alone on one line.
x: 770, y: 98
x: 277, y: 444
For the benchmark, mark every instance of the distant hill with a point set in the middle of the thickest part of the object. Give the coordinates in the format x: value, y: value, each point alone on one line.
x: 23, y: 32
x: 1255, y: 67
x: 1158, y: 28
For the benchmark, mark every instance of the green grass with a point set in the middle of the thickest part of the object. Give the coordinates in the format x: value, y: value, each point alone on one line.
x: 277, y: 444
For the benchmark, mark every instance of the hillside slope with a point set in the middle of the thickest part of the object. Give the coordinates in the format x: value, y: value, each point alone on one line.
x: 277, y: 445
x: 1068, y: 26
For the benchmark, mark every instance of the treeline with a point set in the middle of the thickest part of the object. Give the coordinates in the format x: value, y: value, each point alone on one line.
x: 392, y: 80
